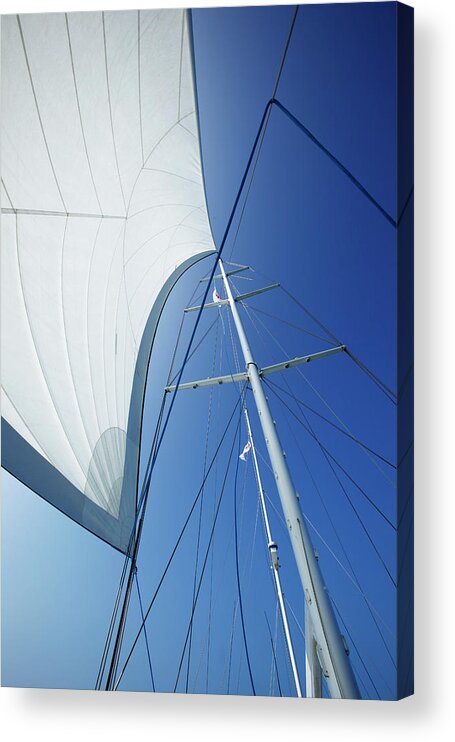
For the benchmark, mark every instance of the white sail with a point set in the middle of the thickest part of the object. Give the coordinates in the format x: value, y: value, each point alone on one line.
x: 103, y: 207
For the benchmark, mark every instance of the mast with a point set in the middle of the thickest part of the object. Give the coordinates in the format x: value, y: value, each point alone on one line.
x: 324, y: 641
x: 273, y: 551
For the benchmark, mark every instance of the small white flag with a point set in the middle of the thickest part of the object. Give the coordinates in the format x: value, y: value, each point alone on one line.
x: 245, y: 451
x: 216, y: 296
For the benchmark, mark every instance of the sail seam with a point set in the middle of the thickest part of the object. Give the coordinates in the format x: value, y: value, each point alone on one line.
x: 38, y: 111
x: 139, y: 81
x: 38, y: 357
x: 80, y: 112
x: 110, y: 109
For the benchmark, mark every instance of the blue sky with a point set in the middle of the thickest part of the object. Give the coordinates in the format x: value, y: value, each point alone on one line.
x: 306, y: 226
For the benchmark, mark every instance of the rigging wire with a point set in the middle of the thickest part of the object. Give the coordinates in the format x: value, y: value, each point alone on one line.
x: 374, y: 378
x: 365, y: 449
x: 310, y: 430
x: 267, y: 537
x: 198, y: 540
x: 209, y: 629
x: 350, y: 576
x: 199, y: 314
x: 406, y: 379
x: 408, y: 500
x: 368, y: 603
x: 174, y: 550
x: 237, y: 571
x: 369, y: 606
x: 340, y: 430
x: 362, y: 366
x: 207, y: 553
x: 274, y: 661
x: 196, y: 348
x: 275, y: 90
x: 328, y: 454
x: 135, y: 539
x: 142, y: 501
x: 237, y: 364
x: 234, y: 614
x: 295, y: 618
x: 319, y: 395
x: 246, y: 574
x: 290, y: 324
x: 145, y: 630
x: 237, y: 547
x: 128, y: 553
x: 336, y: 162
x: 359, y: 654
x: 378, y: 628
x: 152, y: 458
x: 403, y: 456
x: 353, y: 579
x: 355, y: 647
x: 211, y: 604
x: 228, y: 547
x: 344, y: 551
x: 215, y: 603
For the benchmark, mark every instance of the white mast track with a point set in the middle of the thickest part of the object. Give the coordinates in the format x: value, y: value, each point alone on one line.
x: 324, y: 642
x: 273, y: 551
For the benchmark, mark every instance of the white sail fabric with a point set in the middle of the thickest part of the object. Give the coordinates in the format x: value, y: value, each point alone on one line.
x: 103, y: 207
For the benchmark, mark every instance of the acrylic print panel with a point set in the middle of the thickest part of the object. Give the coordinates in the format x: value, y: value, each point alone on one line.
x: 207, y: 386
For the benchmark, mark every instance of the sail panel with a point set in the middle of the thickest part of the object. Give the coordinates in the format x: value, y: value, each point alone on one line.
x: 103, y: 208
